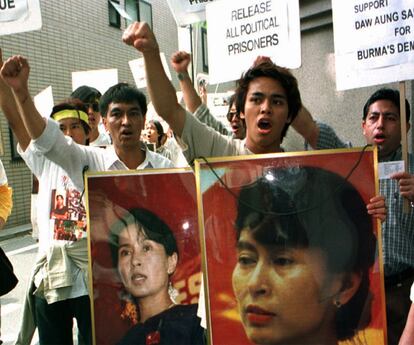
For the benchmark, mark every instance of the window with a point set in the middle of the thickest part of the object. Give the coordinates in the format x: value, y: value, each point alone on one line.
x: 114, y: 16
x: 145, y: 12
x: 131, y: 7
x: 204, y: 49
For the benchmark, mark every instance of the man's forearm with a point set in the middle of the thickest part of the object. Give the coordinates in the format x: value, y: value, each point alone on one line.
x: 33, y: 121
x: 191, y: 99
x: 162, y: 93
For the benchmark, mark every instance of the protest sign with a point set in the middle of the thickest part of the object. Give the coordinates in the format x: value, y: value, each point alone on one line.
x: 19, y: 16
x: 137, y: 67
x: 189, y: 11
x: 244, y: 29
x: 374, y: 42
x: 44, y: 102
x: 101, y: 79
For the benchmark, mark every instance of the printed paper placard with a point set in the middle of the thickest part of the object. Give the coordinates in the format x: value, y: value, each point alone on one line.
x: 240, y: 31
x: 19, y: 16
x: 189, y: 11
x: 374, y: 42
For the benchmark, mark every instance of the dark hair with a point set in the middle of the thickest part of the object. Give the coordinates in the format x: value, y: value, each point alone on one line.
x: 122, y: 93
x: 160, y: 130
x: 155, y: 229
x: 73, y: 104
x: 86, y: 94
x: 283, y: 76
x: 309, y: 207
x: 386, y: 94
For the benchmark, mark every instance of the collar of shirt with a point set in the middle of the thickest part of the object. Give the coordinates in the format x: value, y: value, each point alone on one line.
x: 113, y: 162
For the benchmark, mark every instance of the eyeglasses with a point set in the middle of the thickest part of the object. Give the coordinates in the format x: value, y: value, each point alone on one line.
x: 231, y: 114
x: 94, y: 106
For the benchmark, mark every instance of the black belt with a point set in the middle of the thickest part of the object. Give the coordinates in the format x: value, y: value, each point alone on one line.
x: 398, y: 278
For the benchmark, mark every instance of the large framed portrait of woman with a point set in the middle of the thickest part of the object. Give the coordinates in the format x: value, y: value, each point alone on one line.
x: 290, y: 254
x: 145, y: 270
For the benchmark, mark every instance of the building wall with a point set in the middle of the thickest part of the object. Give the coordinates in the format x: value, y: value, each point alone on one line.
x: 75, y: 36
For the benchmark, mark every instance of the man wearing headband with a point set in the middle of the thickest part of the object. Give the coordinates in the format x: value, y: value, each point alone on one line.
x: 58, y: 292
x: 123, y: 108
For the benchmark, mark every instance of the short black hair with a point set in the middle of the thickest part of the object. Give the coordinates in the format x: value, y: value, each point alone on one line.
x: 386, y: 94
x: 122, y: 93
x: 154, y: 227
x: 86, y: 94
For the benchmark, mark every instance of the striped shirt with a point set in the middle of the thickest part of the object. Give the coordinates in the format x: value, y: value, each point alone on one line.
x: 398, y: 228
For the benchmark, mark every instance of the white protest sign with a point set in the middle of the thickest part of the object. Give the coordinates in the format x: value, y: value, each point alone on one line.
x: 137, y: 67
x: 218, y: 103
x: 188, y: 11
x: 101, y: 79
x: 239, y: 31
x: 19, y: 16
x: 374, y: 42
x: 44, y: 102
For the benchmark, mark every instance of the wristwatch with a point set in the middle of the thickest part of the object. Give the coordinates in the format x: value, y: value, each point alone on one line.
x: 181, y: 76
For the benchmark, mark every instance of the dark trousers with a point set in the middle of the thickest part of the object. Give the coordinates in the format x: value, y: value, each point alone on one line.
x: 398, y: 305
x: 55, y: 321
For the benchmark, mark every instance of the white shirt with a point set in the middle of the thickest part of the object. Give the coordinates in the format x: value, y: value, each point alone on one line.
x: 102, y: 140
x: 75, y: 159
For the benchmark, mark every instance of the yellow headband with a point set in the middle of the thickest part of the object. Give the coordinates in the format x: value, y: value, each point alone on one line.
x: 71, y: 114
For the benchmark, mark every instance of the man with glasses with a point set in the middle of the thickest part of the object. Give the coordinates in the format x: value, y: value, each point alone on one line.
x: 381, y: 127
x: 180, y: 62
x: 90, y: 97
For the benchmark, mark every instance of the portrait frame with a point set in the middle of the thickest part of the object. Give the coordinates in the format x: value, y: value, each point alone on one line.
x: 169, y: 194
x: 219, y: 182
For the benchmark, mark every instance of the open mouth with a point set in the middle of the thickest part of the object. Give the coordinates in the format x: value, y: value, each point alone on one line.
x: 264, y: 125
x: 379, y: 138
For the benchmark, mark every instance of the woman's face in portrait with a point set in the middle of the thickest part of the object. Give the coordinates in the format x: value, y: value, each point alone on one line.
x: 59, y: 201
x: 284, y: 295
x: 143, y: 264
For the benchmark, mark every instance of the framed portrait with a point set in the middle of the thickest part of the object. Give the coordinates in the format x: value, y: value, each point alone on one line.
x: 290, y: 254
x: 133, y: 217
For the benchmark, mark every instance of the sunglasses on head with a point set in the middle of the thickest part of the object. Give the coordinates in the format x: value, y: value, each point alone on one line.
x: 94, y: 106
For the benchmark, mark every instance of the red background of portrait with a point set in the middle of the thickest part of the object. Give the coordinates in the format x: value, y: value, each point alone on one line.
x: 172, y: 197
x: 219, y: 212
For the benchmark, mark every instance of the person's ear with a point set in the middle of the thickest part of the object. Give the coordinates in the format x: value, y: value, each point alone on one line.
x: 242, y: 116
x: 350, y: 286
x: 172, y: 263
x: 105, y: 122
x: 363, y: 127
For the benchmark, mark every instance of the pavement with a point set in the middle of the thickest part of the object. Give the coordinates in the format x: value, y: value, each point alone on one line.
x: 20, y: 230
